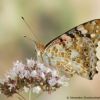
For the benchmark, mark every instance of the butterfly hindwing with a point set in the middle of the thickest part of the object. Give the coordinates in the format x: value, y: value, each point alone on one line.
x: 74, y: 51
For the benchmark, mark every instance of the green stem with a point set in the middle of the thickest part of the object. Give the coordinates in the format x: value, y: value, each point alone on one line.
x: 30, y: 94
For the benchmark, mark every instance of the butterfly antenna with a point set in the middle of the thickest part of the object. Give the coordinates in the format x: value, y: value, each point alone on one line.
x: 30, y: 29
x: 28, y: 38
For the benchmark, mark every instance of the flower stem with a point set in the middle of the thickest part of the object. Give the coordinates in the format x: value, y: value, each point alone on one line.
x: 30, y: 94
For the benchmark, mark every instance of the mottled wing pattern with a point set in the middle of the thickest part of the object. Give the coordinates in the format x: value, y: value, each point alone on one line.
x: 75, y: 50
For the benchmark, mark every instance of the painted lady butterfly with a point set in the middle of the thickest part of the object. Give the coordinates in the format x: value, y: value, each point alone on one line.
x: 74, y: 51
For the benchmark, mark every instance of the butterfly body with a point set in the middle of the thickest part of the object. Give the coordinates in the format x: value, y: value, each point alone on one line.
x: 75, y: 50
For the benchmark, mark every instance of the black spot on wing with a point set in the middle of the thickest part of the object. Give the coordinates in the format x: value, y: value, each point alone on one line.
x: 88, y: 35
x: 71, y: 33
x: 96, y: 72
x: 90, y: 76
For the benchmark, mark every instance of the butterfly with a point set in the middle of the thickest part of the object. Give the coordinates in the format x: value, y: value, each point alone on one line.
x: 73, y: 52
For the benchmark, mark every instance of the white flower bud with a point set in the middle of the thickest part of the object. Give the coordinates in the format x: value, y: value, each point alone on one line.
x: 37, y: 89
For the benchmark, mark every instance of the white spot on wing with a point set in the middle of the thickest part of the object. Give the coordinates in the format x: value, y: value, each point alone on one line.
x: 93, y: 23
x: 92, y: 35
x: 82, y: 29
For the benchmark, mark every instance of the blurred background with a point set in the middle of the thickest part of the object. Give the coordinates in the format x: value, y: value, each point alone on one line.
x: 48, y: 19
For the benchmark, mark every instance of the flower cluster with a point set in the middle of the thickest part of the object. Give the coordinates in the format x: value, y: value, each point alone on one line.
x: 32, y: 75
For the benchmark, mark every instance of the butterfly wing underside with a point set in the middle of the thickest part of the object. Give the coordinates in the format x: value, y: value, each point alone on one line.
x: 75, y: 50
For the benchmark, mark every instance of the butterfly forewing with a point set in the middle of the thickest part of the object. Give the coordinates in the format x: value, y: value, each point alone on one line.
x: 75, y: 50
